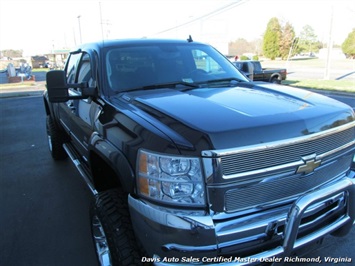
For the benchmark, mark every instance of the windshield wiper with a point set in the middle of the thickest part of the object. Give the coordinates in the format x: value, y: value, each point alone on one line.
x: 229, y: 80
x: 166, y: 85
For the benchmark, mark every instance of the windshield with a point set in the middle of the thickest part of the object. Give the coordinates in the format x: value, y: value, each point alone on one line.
x: 137, y: 67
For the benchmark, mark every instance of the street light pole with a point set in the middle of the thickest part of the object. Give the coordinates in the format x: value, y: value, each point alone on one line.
x: 81, y: 41
x: 329, y: 46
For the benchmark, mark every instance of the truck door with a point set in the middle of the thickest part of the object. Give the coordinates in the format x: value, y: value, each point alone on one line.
x: 76, y: 114
x: 258, y: 72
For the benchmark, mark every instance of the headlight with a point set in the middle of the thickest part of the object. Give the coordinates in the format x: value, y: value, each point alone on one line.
x: 170, y: 179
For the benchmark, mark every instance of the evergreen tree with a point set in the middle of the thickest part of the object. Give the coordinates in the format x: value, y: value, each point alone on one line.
x: 271, y: 44
x: 348, y: 46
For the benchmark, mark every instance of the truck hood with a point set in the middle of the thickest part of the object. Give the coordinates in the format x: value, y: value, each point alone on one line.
x: 248, y: 114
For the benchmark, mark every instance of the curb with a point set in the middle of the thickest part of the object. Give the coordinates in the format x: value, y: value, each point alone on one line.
x: 13, y: 94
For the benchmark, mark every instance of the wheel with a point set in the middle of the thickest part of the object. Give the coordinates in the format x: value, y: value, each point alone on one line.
x: 112, y: 230
x: 275, y: 80
x: 55, y: 140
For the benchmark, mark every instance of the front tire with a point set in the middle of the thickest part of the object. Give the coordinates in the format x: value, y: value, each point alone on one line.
x: 112, y: 230
x: 275, y: 80
x: 55, y: 140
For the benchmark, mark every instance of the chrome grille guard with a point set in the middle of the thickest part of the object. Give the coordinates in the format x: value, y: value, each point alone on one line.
x: 291, y: 241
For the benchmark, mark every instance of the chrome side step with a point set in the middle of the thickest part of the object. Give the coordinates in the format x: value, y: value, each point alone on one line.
x: 80, y: 168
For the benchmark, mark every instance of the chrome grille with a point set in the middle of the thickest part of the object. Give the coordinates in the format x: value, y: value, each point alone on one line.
x: 249, y: 177
x: 280, y: 189
x: 247, y: 161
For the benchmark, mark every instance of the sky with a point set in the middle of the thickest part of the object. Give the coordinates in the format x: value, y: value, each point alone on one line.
x: 40, y: 26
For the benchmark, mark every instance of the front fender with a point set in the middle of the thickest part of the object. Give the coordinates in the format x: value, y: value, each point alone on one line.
x: 115, y: 159
x: 47, y: 104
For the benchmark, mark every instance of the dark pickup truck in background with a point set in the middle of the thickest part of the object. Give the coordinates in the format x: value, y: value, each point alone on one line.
x: 254, y: 71
x: 190, y: 162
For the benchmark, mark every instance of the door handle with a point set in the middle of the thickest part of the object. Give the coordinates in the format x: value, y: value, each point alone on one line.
x: 70, y: 105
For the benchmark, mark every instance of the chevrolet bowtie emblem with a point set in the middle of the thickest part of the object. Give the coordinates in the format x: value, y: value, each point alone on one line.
x: 310, y: 163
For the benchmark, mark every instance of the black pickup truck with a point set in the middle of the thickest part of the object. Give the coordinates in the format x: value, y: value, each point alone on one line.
x: 254, y: 71
x: 189, y: 162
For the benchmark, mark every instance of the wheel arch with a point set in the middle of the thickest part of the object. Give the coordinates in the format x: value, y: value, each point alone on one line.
x: 109, y: 167
x: 48, y: 107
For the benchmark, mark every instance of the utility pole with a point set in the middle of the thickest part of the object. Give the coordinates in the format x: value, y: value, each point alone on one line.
x: 102, y: 29
x: 81, y: 40
x: 102, y: 22
x: 293, y: 45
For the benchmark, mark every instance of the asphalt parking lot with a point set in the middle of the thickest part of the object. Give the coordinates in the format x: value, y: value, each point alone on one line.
x: 44, y: 204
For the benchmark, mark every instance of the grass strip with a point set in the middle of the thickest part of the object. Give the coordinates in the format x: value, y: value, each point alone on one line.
x: 332, y: 85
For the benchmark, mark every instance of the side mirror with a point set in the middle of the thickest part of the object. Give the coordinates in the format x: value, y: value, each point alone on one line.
x: 57, y: 86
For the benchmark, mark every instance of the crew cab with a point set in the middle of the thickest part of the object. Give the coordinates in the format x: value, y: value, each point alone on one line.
x: 254, y: 71
x: 190, y: 162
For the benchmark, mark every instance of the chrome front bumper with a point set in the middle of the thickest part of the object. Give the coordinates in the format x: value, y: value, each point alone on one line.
x: 171, y: 234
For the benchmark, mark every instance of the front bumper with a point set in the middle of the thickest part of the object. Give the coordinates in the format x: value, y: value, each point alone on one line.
x: 195, y: 237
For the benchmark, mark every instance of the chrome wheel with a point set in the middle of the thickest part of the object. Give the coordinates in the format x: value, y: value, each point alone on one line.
x: 50, y: 143
x: 100, y: 241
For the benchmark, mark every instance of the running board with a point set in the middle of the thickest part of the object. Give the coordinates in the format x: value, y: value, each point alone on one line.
x: 80, y: 168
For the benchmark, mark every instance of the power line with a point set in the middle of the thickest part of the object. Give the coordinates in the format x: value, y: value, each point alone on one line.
x: 210, y: 14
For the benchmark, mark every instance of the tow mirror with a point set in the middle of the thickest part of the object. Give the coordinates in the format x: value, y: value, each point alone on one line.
x: 57, y: 87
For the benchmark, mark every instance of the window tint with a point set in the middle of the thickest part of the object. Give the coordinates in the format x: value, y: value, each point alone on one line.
x: 131, y: 67
x: 134, y: 67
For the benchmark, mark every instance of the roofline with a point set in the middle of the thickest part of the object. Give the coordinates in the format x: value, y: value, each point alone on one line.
x: 135, y: 41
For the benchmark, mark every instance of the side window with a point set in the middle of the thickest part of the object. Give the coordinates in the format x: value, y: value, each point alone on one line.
x: 84, y: 69
x: 257, y: 66
x: 71, y: 67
